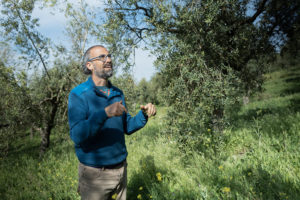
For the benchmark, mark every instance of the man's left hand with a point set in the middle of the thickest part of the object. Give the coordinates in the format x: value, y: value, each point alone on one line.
x: 149, y: 109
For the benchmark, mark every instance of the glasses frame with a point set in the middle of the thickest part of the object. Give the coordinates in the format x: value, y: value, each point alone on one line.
x: 101, y: 57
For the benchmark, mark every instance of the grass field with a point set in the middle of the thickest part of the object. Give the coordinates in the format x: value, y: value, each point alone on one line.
x: 258, y: 156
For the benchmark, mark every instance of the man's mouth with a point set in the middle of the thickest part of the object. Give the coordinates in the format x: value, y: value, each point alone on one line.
x: 108, y: 66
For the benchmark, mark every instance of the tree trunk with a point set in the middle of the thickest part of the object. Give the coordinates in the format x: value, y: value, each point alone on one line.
x: 46, y: 131
x: 217, y: 120
x: 45, y: 143
x: 246, y: 99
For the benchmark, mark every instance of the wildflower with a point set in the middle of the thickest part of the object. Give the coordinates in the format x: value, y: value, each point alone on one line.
x: 220, y: 167
x: 226, y: 189
x: 139, y: 196
x: 209, y: 130
x: 141, y: 188
x: 150, y: 196
x: 114, y: 196
x: 158, y: 175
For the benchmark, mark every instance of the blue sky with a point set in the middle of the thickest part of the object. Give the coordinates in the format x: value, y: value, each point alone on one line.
x: 52, y: 25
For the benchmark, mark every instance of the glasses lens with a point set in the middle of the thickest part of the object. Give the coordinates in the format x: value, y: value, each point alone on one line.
x: 108, y: 56
x: 104, y: 57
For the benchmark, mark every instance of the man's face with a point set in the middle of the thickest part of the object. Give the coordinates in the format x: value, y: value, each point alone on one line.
x: 102, y: 69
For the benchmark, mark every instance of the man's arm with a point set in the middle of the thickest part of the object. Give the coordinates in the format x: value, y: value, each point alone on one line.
x: 81, y: 126
x: 139, y: 121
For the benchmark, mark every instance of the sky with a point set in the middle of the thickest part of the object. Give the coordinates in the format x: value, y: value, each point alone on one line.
x: 52, y: 24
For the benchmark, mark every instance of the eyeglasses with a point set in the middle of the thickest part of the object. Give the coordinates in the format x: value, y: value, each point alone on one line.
x: 102, y: 58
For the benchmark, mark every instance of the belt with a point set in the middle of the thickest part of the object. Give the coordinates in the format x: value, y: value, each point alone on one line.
x: 114, y: 166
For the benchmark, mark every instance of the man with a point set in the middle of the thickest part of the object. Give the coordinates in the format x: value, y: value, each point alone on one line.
x: 98, y: 119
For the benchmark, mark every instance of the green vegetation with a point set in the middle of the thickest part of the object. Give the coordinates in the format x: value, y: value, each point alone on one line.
x: 257, y: 157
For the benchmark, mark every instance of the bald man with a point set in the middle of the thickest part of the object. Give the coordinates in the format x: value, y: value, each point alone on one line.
x: 98, y: 119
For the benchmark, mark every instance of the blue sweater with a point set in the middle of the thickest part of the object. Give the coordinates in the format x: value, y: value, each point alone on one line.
x: 99, y: 140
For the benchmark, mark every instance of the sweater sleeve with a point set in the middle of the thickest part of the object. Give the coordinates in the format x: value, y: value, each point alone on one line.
x: 82, y: 125
x: 135, y: 123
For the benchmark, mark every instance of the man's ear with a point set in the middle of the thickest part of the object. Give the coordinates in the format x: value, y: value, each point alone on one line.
x: 89, y: 66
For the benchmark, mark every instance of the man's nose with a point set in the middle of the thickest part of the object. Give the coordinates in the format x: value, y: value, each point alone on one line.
x: 108, y: 59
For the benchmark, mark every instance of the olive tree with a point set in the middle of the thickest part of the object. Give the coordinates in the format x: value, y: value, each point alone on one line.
x: 209, y: 53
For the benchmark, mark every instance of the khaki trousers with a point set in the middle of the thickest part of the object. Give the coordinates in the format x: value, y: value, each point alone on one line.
x: 102, y: 184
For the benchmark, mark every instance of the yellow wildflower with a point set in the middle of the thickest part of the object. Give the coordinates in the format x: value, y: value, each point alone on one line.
x: 114, y: 196
x: 226, y: 189
x: 209, y: 130
x: 139, y: 196
x: 220, y: 167
x: 158, y: 175
x: 141, y: 188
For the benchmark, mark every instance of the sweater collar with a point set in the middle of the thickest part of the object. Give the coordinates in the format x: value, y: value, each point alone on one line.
x: 91, y: 82
x: 110, y: 86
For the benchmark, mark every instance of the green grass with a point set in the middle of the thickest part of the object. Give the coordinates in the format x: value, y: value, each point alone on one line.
x: 258, y: 157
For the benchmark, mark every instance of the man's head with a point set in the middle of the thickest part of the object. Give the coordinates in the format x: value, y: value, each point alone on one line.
x: 97, y: 61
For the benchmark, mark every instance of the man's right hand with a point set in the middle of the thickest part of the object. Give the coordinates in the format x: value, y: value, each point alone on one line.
x: 115, y: 109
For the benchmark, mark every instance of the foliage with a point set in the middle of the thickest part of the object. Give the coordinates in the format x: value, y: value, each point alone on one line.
x: 151, y: 91
x: 45, y: 94
x: 80, y: 27
x: 16, y: 115
x: 126, y: 83
x: 192, y: 41
x: 20, y: 28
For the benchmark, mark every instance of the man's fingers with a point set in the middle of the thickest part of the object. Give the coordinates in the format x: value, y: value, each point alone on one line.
x: 122, y: 106
x: 153, y: 111
x: 150, y: 110
x: 124, y: 109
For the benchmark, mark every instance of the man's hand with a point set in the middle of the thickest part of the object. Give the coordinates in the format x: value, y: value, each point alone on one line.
x: 149, y: 109
x: 115, y: 109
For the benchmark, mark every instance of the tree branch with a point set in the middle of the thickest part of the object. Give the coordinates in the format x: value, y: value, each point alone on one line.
x: 31, y: 40
x: 260, y: 9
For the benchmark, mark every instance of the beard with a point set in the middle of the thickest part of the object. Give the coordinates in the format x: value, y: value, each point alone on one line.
x: 105, y: 72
